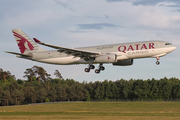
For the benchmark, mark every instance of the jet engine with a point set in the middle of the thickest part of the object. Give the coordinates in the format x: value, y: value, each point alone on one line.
x: 108, y: 58
x: 124, y: 62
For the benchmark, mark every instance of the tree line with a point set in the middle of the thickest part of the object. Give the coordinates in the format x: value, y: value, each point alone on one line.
x: 40, y: 87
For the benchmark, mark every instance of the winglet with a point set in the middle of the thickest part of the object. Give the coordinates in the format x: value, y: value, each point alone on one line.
x: 36, y: 40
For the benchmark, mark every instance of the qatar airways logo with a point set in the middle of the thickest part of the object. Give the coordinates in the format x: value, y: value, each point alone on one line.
x: 23, y: 43
x: 123, y: 48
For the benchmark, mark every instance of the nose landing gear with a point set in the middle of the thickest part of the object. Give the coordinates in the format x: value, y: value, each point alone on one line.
x: 157, y: 62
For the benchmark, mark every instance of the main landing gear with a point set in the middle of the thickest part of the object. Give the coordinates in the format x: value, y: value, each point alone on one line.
x: 100, y: 68
x: 157, y: 62
x: 89, y: 68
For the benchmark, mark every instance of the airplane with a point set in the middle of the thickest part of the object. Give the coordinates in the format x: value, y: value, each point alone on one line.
x: 121, y: 54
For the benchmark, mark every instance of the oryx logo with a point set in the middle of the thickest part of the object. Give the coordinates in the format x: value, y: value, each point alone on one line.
x: 23, y: 43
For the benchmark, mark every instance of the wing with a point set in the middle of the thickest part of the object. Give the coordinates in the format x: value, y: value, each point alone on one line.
x: 28, y: 56
x: 70, y: 51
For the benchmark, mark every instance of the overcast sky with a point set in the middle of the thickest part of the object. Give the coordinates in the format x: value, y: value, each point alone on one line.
x: 79, y: 23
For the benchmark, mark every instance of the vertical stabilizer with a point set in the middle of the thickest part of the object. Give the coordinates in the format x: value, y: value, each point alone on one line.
x: 25, y: 44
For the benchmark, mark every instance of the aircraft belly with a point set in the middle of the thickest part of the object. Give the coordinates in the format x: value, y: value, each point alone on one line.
x: 161, y: 52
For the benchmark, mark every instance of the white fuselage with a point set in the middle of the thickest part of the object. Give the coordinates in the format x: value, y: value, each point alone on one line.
x: 123, y: 51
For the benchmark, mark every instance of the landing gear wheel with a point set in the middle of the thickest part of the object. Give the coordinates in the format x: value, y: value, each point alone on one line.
x: 86, y: 69
x: 102, y: 68
x: 157, y: 62
x: 91, y: 67
x: 97, y: 71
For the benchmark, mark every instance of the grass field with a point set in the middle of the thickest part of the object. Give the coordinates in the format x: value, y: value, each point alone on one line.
x: 94, y: 111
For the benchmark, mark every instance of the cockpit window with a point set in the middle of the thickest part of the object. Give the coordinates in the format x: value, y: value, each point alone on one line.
x: 168, y: 44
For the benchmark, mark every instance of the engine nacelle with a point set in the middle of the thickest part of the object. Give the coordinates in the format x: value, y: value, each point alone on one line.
x: 109, y: 58
x: 124, y: 62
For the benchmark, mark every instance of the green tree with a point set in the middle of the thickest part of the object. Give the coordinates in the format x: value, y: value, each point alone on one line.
x: 154, y: 89
x: 41, y: 94
x: 166, y: 88
x: 70, y: 93
x: 97, y: 94
x: 5, y: 75
x: 44, y: 75
x: 47, y: 100
x: 61, y: 92
x: 128, y: 89
x: 58, y: 74
x: 6, y: 96
x: 1, y: 91
x: 12, y: 86
x: 114, y: 91
x: 36, y: 71
x: 102, y: 91
x: 29, y: 74
x: 107, y: 89
x: 90, y: 89
x: 141, y: 89
x: 176, y: 91
x: 52, y: 94
x: 120, y: 86
x: 88, y: 96
x: 17, y: 96
x: 80, y: 93
x: 29, y: 93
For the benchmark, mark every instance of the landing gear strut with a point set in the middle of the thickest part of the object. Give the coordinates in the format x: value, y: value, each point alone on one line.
x: 157, y: 62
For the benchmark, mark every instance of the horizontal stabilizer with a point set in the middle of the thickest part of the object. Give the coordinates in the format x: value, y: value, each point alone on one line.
x: 20, y: 55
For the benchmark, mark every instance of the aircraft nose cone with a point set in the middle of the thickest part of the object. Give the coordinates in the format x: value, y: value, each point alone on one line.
x: 174, y: 47
x: 170, y: 49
